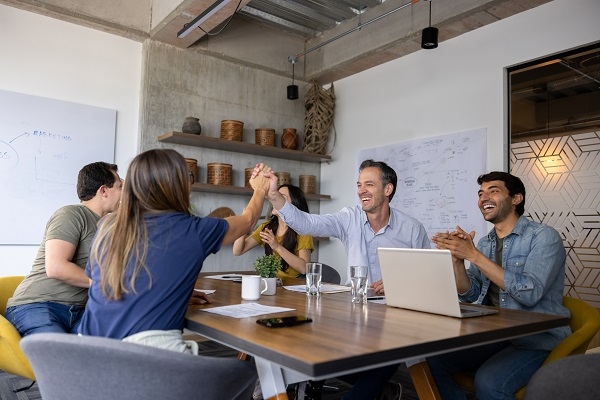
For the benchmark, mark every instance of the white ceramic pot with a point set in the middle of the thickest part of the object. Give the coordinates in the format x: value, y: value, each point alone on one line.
x: 271, y: 286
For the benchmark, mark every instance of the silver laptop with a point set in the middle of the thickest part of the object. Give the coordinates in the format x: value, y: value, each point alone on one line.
x: 423, y: 280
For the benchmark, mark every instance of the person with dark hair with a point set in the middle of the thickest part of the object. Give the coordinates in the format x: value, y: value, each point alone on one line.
x: 53, y: 296
x: 362, y: 229
x: 277, y: 238
x: 519, y: 265
x: 146, y: 257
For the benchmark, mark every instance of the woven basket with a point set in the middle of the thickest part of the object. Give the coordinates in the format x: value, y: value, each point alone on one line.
x: 192, y: 165
x: 265, y: 136
x: 283, y: 178
x: 247, y: 175
x: 308, y: 184
x: 232, y: 130
x: 289, y: 138
x: 218, y: 174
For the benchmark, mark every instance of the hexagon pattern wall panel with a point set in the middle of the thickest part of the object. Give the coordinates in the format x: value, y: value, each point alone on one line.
x: 562, y: 181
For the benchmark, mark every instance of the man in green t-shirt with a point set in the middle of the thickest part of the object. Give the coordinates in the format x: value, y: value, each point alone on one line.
x: 53, y: 296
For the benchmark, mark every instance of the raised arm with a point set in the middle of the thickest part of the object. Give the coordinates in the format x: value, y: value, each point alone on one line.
x: 243, y: 244
x: 241, y: 224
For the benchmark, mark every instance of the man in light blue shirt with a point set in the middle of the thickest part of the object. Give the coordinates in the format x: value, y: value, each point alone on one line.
x: 362, y: 228
x: 519, y: 265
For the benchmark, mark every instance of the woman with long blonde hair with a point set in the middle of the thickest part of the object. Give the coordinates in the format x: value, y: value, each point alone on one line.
x: 146, y: 257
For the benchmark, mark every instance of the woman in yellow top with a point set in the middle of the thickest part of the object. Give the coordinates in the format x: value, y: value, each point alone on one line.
x: 276, y: 237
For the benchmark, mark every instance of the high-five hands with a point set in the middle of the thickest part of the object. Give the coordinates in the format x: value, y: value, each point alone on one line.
x: 260, y: 178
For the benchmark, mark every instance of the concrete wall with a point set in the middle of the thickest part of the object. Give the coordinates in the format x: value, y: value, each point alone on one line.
x: 458, y: 86
x: 180, y: 83
x: 45, y: 57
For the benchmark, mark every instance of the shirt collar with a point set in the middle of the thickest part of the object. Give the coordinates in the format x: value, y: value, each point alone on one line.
x: 517, y: 230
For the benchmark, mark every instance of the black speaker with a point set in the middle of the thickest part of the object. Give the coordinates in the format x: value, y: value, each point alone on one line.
x: 292, y: 92
x: 429, y: 38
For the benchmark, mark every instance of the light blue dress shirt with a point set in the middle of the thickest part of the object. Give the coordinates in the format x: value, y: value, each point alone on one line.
x: 351, y: 226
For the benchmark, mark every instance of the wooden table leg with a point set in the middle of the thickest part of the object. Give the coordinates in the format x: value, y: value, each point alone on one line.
x: 243, y: 356
x: 423, y: 381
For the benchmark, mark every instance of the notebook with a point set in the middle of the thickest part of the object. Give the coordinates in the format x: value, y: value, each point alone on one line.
x: 423, y: 280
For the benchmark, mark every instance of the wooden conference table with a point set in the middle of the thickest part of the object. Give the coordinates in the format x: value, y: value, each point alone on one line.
x: 345, y: 337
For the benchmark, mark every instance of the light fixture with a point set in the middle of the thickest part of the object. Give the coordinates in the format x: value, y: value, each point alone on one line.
x: 200, y: 19
x: 292, y: 90
x: 429, y: 35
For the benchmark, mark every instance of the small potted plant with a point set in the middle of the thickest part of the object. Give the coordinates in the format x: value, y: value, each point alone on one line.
x: 267, y: 267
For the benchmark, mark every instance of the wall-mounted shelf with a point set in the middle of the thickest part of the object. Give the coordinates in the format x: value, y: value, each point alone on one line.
x: 244, y: 191
x: 240, y: 147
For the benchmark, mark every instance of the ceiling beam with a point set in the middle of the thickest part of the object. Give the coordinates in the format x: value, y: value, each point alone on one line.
x: 166, y: 30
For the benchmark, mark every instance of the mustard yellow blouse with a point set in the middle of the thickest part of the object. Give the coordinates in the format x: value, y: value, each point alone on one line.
x: 303, y: 242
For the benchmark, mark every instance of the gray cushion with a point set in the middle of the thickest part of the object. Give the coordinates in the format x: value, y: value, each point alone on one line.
x: 573, y: 377
x: 71, y: 367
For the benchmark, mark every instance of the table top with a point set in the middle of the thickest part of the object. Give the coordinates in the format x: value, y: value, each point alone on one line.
x: 345, y: 337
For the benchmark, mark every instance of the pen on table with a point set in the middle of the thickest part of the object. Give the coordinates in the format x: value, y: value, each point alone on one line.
x: 376, y: 298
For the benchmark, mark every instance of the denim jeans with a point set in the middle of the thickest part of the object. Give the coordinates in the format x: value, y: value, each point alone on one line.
x: 500, y: 370
x: 45, y: 317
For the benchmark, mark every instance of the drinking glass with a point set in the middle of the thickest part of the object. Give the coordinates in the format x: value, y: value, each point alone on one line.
x: 314, y: 272
x: 359, y: 283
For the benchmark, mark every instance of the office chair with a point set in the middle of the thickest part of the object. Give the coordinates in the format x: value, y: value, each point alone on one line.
x: 330, y: 275
x: 12, y: 359
x: 71, y: 367
x: 574, y: 377
x: 584, y: 323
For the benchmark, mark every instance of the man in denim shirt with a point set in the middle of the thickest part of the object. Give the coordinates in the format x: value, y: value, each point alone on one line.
x: 519, y: 265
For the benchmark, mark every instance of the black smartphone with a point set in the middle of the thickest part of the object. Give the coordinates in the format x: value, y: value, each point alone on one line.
x: 284, y: 321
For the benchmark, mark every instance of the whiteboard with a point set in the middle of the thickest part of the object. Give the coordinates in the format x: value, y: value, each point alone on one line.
x: 437, y: 179
x: 43, y: 145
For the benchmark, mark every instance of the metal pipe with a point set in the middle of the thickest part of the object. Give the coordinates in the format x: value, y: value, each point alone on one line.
x: 294, y: 58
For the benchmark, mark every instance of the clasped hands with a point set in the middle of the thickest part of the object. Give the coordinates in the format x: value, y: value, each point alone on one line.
x: 268, y: 237
x: 460, y: 243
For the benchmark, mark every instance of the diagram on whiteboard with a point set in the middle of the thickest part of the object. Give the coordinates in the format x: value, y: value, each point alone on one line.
x: 437, y: 179
x: 43, y: 145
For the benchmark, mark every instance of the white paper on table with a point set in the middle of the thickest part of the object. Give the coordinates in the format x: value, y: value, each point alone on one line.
x: 205, y: 291
x: 245, y: 310
x: 327, y: 288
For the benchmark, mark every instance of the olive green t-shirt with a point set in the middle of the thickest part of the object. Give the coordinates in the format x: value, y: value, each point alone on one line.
x: 75, y: 224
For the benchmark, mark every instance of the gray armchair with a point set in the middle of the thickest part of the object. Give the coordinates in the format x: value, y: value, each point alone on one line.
x: 573, y: 377
x: 71, y: 367
x: 330, y: 275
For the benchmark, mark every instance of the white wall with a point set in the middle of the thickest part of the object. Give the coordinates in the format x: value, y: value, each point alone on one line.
x: 458, y: 86
x: 46, y: 57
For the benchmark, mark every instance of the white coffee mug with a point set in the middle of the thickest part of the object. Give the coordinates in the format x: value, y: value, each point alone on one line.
x: 251, y: 287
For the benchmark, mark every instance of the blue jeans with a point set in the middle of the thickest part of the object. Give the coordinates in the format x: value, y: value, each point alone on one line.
x: 500, y: 370
x: 368, y: 384
x: 45, y: 317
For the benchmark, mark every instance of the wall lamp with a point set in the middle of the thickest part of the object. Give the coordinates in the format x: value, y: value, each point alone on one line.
x: 200, y: 19
x: 429, y: 35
